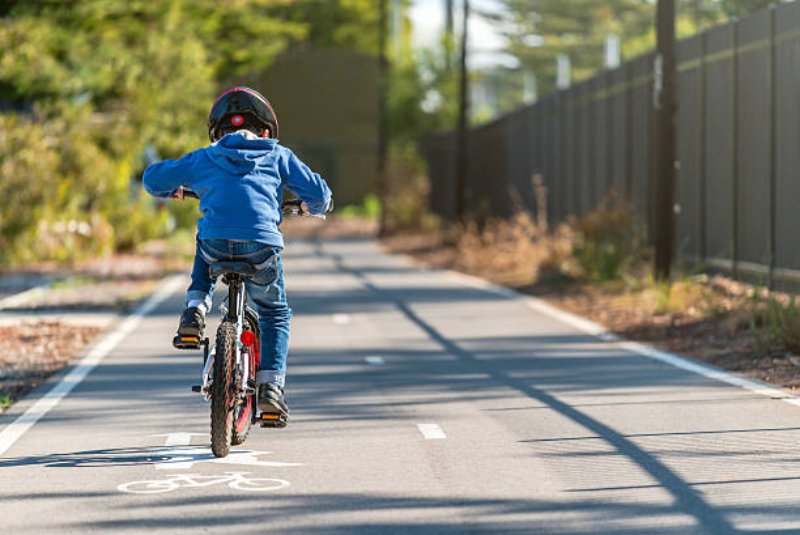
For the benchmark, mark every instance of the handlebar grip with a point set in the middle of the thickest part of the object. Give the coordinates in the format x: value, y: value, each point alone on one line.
x: 190, y: 194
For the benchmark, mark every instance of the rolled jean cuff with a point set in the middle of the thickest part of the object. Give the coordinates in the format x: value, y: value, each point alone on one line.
x: 199, y: 295
x: 270, y: 376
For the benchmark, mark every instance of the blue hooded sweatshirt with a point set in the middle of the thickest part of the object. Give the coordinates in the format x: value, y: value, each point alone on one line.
x: 239, y: 180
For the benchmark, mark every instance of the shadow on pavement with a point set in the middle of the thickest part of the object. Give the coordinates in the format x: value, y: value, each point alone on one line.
x: 687, y: 499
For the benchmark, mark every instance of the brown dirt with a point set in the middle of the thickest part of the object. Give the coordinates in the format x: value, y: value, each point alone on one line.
x: 30, y: 352
x: 707, y: 319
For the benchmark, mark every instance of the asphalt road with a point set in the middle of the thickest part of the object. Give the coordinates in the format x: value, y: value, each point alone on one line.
x: 421, y: 404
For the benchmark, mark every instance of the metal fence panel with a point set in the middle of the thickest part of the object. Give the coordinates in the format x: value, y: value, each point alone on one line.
x: 641, y: 97
x: 564, y: 189
x: 440, y: 155
x: 787, y: 136
x: 584, y: 152
x: 719, y: 143
x: 753, y: 95
x: 618, y: 129
x: 491, y: 182
x: 738, y: 139
x: 551, y: 174
x: 520, y: 131
x: 689, y: 179
x: 600, y: 138
x: 572, y: 131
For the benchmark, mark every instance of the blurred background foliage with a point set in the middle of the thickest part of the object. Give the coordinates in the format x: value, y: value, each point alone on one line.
x: 538, y: 31
x: 91, y: 90
x: 88, y: 87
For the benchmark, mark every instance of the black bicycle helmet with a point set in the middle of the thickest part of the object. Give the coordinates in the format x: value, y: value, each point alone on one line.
x: 240, y: 107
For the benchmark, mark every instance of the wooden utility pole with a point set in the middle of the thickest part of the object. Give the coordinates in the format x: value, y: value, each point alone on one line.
x: 462, y: 161
x: 383, y: 119
x: 448, y: 34
x: 664, y: 143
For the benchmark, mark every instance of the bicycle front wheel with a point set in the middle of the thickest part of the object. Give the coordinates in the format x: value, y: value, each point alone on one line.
x: 222, y: 387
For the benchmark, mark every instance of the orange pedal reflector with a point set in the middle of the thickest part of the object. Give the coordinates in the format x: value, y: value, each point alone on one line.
x: 189, y: 339
x: 267, y: 416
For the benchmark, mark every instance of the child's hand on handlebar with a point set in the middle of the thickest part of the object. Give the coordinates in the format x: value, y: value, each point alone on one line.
x: 177, y: 194
x: 304, y: 208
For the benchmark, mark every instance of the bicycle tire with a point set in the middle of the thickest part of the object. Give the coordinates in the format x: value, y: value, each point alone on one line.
x: 243, y: 414
x: 221, y: 390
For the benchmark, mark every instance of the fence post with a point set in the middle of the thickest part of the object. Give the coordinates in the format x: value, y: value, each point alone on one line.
x: 462, y: 148
x: 563, y: 203
x: 703, y: 146
x: 629, y: 132
x: 773, y: 157
x: 663, y: 142
x: 591, y: 124
x: 735, y: 152
x: 610, y: 136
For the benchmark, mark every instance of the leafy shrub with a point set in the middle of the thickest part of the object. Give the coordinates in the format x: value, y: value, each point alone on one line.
x: 609, y: 241
x: 370, y: 208
x: 409, y: 188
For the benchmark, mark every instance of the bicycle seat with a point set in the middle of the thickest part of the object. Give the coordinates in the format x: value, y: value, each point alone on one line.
x: 237, y: 268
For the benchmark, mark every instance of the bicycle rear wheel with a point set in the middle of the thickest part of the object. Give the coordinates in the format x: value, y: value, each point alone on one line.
x: 222, y: 390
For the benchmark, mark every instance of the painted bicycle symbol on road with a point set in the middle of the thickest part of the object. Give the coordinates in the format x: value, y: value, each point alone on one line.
x: 235, y: 480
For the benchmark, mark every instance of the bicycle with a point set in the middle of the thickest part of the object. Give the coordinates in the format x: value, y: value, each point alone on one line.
x: 235, y: 356
x: 235, y: 480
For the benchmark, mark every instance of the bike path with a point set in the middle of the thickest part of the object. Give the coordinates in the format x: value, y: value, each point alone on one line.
x: 420, y: 404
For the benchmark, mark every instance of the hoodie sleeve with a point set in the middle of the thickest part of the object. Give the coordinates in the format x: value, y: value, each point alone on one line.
x: 161, y: 179
x: 303, y: 182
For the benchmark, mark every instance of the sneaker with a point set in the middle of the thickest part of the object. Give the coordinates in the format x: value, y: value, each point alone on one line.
x: 270, y: 400
x: 193, y: 323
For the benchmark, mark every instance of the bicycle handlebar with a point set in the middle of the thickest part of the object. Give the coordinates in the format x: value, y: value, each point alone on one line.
x: 290, y: 207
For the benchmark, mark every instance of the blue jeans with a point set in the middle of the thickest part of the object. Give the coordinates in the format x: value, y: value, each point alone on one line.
x: 265, y: 290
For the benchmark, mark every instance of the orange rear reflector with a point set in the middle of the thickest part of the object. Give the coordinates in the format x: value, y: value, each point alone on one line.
x: 270, y: 416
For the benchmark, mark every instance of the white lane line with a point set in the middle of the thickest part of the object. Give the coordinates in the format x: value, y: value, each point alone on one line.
x: 13, y: 431
x: 179, y: 439
x: 375, y: 361
x: 594, y: 329
x: 341, y: 319
x: 431, y: 431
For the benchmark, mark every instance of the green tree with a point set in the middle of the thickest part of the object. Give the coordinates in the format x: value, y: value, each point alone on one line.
x: 104, y: 78
x: 539, y: 30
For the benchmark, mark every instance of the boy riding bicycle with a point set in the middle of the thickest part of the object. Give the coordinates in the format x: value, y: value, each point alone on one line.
x: 239, y: 179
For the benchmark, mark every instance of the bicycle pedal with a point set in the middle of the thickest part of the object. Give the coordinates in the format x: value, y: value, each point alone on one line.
x: 187, y: 342
x: 271, y: 420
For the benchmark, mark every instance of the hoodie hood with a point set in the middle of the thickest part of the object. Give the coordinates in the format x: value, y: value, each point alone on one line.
x: 240, y: 152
